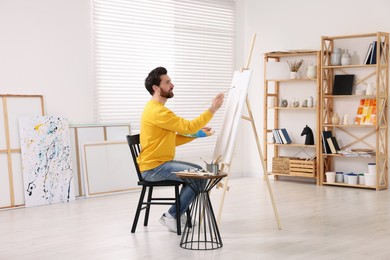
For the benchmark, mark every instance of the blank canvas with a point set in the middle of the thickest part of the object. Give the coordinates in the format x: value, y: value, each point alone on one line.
x: 234, y: 104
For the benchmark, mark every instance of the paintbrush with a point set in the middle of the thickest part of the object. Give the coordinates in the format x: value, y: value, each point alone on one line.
x: 227, y: 90
x: 217, y: 160
x: 224, y: 92
x: 203, y: 160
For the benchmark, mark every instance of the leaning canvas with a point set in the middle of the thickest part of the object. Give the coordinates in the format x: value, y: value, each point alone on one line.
x: 46, y: 161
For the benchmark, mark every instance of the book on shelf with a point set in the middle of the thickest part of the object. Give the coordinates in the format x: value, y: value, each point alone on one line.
x: 286, y: 136
x: 367, y: 59
x: 325, y: 136
x: 333, y: 145
x: 373, y: 54
x: 343, y: 84
x: 366, y: 112
x: 276, y: 135
x: 282, y: 136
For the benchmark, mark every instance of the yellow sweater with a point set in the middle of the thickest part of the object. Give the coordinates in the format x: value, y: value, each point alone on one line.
x: 158, y: 135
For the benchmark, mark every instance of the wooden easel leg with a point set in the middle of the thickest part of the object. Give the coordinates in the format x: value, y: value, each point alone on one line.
x: 263, y: 163
x: 225, y: 188
x: 225, y: 184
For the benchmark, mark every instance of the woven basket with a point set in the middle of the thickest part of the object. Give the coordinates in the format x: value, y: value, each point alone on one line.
x: 281, y: 164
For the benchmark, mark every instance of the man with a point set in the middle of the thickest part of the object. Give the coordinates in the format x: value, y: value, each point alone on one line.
x: 161, y: 131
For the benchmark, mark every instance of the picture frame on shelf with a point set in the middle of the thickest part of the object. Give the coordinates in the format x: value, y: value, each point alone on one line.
x: 343, y: 84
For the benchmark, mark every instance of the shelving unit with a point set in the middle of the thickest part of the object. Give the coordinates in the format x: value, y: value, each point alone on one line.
x: 277, y: 85
x: 350, y: 135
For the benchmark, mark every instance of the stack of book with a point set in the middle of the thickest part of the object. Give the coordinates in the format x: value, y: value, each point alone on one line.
x: 371, y: 54
x: 281, y: 136
x: 358, y: 152
x: 330, y: 143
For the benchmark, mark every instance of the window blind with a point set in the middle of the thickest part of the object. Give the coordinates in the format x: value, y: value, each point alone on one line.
x: 194, y: 40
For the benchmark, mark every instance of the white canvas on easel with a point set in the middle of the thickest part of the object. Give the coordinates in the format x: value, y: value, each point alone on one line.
x: 233, y: 112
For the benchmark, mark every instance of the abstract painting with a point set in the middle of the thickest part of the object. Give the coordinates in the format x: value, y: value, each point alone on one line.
x: 46, y: 160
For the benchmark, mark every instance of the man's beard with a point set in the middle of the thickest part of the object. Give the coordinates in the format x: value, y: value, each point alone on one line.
x: 166, y: 94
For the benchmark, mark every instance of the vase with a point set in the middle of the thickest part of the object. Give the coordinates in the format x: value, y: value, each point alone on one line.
x: 283, y: 103
x: 295, y: 102
x: 346, y: 58
x: 335, y: 57
x: 370, y: 89
x: 310, y: 102
x: 311, y: 72
x: 335, y: 119
x: 293, y: 75
x: 345, y: 119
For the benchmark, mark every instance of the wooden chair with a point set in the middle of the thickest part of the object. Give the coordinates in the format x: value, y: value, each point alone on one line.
x: 135, y: 149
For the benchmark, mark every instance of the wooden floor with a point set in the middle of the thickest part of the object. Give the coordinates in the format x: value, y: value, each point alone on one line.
x: 317, y: 223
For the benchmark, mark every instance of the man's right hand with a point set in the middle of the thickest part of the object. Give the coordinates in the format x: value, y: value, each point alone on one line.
x: 217, y: 103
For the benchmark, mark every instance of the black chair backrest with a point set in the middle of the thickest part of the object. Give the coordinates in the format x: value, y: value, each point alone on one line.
x: 135, y: 149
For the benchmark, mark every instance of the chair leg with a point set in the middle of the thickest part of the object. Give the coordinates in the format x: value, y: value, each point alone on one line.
x: 148, y: 206
x: 177, y: 202
x: 139, y: 208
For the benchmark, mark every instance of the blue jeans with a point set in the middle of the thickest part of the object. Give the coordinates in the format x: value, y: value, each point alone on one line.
x: 164, y: 173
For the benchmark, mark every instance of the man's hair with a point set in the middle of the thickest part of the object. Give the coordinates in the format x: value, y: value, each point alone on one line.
x: 154, y: 78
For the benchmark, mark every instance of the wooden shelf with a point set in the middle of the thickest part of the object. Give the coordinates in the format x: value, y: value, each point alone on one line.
x: 350, y: 125
x: 290, y: 53
x: 293, y: 108
x: 349, y: 185
x: 351, y: 36
x: 278, y: 87
x: 352, y: 135
x: 305, y: 175
x: 291, y: 80
x: 350, y: 66
x: 293, y: 145
x: 344, y: 156
x: 349, y: 96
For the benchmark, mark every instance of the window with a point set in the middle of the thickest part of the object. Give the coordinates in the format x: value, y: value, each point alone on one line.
x: 194, y: 40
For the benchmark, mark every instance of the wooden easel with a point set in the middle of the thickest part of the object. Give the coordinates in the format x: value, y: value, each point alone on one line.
x: 227, y: 165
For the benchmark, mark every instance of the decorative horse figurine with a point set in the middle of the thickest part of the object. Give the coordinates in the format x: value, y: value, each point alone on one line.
x: 309, y: 135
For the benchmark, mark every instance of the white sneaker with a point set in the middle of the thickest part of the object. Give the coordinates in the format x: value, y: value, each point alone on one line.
x: 170, y: 223
x: 183, y: 220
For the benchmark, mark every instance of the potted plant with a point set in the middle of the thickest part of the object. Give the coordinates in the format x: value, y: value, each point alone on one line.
x: 294, y: 67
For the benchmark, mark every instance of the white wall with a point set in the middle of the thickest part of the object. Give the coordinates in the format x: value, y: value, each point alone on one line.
x: 299, y: 24
x: 46, y: 48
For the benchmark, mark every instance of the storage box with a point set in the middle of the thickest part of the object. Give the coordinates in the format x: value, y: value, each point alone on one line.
x: 294, y: 166
x: 302, y: 167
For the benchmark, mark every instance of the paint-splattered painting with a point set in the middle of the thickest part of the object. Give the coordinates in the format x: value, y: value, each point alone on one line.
x: 46, y: 161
